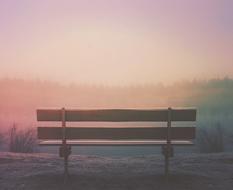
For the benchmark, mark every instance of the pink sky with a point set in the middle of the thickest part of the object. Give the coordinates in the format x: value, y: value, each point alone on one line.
x: 116, y: 42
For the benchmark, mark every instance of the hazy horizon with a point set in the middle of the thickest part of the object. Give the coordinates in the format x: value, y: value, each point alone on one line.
x: 114, y: 85
x: 116, y: 42
x: 20, y: 98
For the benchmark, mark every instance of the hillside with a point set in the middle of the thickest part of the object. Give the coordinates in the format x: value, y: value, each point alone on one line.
x: 188, y: 172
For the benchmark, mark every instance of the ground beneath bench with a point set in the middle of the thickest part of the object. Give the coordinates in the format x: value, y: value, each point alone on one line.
x: 188, y: 172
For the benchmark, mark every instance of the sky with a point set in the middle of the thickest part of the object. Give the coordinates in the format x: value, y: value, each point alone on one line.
x: 116, y: 42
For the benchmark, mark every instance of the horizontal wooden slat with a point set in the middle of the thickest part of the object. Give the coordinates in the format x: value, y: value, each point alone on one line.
x: 116, y: 115
x: 115, y: 143
x: 116, y: 133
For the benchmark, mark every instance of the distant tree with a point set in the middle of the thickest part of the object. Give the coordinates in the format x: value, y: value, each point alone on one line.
x: 22, y: 140
x: 210, y: 139
x: 1, y: 138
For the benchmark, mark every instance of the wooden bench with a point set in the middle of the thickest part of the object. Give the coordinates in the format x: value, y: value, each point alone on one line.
x: 167, y: 137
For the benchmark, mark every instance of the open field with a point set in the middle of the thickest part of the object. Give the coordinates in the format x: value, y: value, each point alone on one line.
x: 44, y: 171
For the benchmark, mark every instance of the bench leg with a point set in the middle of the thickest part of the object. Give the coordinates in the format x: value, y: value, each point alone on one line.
x: 65, y: 168
x: 65, y: 152
x: 166, y: 169
x: 167, y: 151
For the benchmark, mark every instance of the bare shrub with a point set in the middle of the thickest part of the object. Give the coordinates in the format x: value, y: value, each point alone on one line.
x: 1, y: 139
x: 210, y: 139
x: 22, y: 140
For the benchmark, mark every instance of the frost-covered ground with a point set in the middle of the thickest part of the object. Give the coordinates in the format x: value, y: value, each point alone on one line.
x: 188, y: 171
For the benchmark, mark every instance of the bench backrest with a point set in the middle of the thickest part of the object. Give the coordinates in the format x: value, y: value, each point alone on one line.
x: 117, y: 115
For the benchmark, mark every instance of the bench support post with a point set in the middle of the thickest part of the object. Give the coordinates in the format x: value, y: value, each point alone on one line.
x: 65, y: 148
x: 168, y: 145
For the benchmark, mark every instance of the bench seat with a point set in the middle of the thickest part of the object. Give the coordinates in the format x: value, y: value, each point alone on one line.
x: 114, y: 142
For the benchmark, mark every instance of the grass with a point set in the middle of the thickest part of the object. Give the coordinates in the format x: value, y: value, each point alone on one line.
x: 210, y: 139
x: 22, y: 140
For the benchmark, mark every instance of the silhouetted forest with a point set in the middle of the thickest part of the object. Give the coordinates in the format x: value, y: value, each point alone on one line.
x: 213, y: 99
x: 20, y: 98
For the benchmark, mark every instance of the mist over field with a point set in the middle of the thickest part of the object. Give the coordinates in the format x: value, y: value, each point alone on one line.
x: 212, y: 98
x: 121, y: 167
x: 20, y: 98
